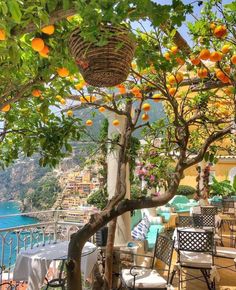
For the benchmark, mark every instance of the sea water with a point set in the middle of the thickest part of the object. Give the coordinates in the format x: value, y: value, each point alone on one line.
x: 8, y: 256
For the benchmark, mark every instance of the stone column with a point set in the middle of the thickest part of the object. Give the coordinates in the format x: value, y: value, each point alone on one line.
x: 123, y: 229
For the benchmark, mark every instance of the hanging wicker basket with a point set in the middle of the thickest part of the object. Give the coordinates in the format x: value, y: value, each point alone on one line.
x: 104, y: 66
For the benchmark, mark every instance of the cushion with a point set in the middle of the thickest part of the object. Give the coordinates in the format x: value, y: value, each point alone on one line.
x: 146, y: 278
x: 194, y: 259
x: 152, y: 235
x: 140, y: 231
x: 226, y: 252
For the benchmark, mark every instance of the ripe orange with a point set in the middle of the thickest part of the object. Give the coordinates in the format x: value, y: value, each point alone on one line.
x: 136, y: 92
x: 180, y: 61
x: 145, y: 117
x: 222, y: 77
x: 122, y: 89
x: 2, y: 34
x: 156, y: 98
x: 195, y: 60
x: 37, y: 44
x: 86, y: 99
x: 49, y: 29
x: 101, y: 109
x: 62, y: 101
x: 174, y: 49
x: 69, y: 113
x: 167, y: 56
x: 44, y: 52
x: 36, y: 93
x: 225, y: 48
x: 63, y: 72
x: 215, y: 56
x: 80, y: 85
x: 220, y: 31
x: 204, y: 54
x: 172, y: 79
x: 202, y: 73
x: 89, y: 123
x: 58, y: 97
x: 212, y: 25
x: 179, y: 77
x: 146, y: 107
x: 172, y: 91
x: 116, y: 122
x: 233, y: 59
x: 6, y: 108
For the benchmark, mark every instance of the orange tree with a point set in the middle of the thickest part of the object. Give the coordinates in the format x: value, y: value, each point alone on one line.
x: 195, y: 83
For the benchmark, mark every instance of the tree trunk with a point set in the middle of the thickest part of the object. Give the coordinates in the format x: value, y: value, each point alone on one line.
x: 109, y: 253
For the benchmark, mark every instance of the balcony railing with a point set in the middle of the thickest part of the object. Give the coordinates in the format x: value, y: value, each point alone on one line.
x: 57, y: 225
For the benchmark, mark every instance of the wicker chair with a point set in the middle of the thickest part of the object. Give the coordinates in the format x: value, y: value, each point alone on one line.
x: 138, y: 277
x: 195, y: 251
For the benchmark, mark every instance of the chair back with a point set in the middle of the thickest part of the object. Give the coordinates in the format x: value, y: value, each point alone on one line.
x: 163, y: 250
x: 201, y: 220
x: 195, y: 241
x: 209, y: 210
x: 185, y: 221
x: 228, y: 206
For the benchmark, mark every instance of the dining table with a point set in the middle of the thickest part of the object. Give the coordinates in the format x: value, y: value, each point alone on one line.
x: 33, y: 264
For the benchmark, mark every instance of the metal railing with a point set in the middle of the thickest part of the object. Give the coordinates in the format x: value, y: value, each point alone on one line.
x: 57, y: 225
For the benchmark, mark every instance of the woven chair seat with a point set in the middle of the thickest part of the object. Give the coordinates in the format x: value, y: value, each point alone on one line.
x: 226, y: 252
x: 146, y: 278
x: 194, y: 259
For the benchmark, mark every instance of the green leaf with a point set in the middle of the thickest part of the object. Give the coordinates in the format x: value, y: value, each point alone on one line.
x: 206, y: 156
x: 66, y: 4
x: 14, y: 10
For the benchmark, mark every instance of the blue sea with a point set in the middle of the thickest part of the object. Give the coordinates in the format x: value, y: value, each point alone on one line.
x: 9, y: 254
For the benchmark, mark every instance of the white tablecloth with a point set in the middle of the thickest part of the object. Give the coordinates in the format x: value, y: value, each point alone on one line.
x: 32, y: 265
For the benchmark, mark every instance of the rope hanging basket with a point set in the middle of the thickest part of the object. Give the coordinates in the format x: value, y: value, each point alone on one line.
x: 104, y: 66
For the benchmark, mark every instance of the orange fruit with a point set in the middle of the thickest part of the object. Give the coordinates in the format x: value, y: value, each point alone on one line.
x: 228, y: 91
x: 202, y: 73
x: 156, y: 98
x: 220, y: 31
x: 225, y: 48
x: 2, y: 34
x: 146, y: 107
x: 80, y: 85
x: 62, y: 101
x: 215, y: 56
x: 172, y: 79
x: 122, y: 89
x: 58, y: 97
x: 172, y: 91
x: 86, y: 99
x: 212, y: 25
x: 167, y: 56
x: 179, y: 77
x: 195, y: 60
x: 233, y: 59
x: 49, y: 29
x: 69, y: 113
x: 204, y: 54
x: 136, y: 92
x: 180, y: 61
x: 89, y: 123
x: 116, y: 122
x: 36, y: 93
x: 63, y: 72
x: 145, y: 117
x: 37, y: 44
x: 44, y: 52
x: 6, y: 108
x: 174, y: 49
x: 102, y: 109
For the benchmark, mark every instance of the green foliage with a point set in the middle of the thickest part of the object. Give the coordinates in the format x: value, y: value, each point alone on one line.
x: 45, y: 194
x: 223, y: 188
x: 99, y: 198
x: 186, y: 190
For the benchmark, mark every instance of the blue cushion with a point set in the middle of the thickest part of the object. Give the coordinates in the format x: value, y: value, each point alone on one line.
x: 152, y: 235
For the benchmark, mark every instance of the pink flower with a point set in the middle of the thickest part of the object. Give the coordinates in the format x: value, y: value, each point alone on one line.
x: 152, y: 178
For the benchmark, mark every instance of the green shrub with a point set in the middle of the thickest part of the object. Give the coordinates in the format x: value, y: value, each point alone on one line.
x: 186, y: 190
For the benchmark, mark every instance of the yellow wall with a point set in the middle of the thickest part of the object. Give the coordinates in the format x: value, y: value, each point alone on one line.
x: 221, y: 169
